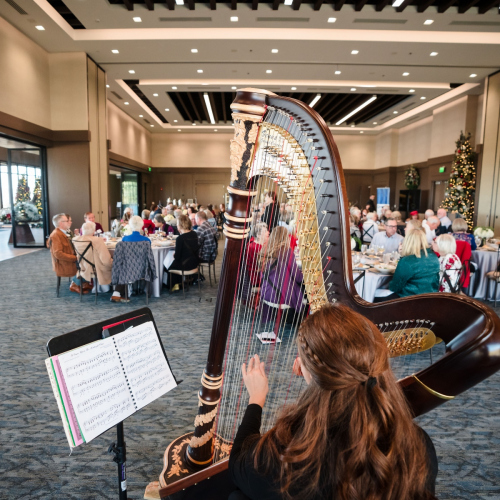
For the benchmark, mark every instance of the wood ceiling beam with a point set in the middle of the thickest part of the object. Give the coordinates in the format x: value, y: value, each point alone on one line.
x: 338, y: 4
x: 296, y: 4
x: 184, y: 107
x: 324, y: 102
x: 170, y: 4
x: 403, y: 6
x: 129, y: 4
x: 190, y: 4
x: 340, y: 98
x: 276, y: 4
x: 446, y: 5
x: 255, y: 4
x: 191, y: 100
x: 381, y: 104
x: 149, y: 4
x: 487, y: 6
x: 424, y: 5
x: 224, y: 95
x: 213, y: 5
x: 346, y: 107
x: 382, y: 4
x: 318, y: 4
x: 233, y: 5
x: 465, y: 6
x: 359, y: 5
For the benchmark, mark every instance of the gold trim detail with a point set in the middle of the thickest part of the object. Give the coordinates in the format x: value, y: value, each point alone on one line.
x: 241, y: 220
x: 242, y: 141
x: 212, y: 378
x: 211, y: 385
x: 197, y: 462
x: 234, y: 236
x: 176, y: 469
x: 432, y: 391
x: 209, y: 403
x: 236, y: 230
x: 196, y: 442
x: 205, y: 418
x: 252, y: 109
x: 241, y: 192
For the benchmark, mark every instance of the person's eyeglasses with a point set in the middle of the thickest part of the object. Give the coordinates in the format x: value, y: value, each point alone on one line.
x: 391, y: 226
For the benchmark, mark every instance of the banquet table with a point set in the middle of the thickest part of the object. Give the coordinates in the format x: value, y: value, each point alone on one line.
x: 159, y: 254
x: 367, y: 286
x: 480, y: 286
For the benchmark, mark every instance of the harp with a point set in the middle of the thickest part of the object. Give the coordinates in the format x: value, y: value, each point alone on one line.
x: 286, y: 144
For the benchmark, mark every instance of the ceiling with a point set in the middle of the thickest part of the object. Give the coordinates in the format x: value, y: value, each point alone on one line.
x: 161, y: 65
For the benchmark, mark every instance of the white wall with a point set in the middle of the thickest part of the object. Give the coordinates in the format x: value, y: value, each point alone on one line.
x: 414, y: 142
x: 128, y: 138
x: 356, y: 152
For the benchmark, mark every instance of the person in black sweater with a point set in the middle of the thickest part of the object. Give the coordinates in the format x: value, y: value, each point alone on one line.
x: 271, y: 211
x: 349, y: 435
x: 186, y: 251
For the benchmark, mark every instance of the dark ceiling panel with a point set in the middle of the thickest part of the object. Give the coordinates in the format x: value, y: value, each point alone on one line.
x: 66, y: 14
x: 134, y: 85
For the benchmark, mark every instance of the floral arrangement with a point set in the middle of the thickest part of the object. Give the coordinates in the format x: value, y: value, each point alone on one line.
x: 484, y: 233
x: 25, y: 211
x: 125, y: 230
x: 412, y: 178
x: 5, y: 216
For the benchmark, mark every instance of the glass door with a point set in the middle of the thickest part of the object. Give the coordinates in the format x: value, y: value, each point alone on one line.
x: 25, y: 176
x: 130, y: 191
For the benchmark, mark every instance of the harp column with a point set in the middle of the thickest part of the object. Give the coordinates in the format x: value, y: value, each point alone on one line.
x: 248, y: 110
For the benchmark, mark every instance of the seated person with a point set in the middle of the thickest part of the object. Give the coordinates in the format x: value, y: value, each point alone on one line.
x: 417, y: 271
x: 255, y: 245
x: 207, y: 238
x: 450, y: 267
x: 401, y: 225
x: 192, y: 216
x: 63, y: 256
x: 159, y: 223
x: 149, y: 225
x: 433, y: 228
x: 98, y: 255
x: 350, y: 434
x: 135, y: 224
x: 444, y: 219
x: 370, y: 228
x: 186, y: 251
x: 389, y: 239
x: 459, y: 230
x: 90, y: 217
x: 281, y: 277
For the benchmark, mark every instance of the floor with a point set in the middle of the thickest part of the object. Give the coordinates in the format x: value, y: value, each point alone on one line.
x: 7, y: 251
x: 35, y: 460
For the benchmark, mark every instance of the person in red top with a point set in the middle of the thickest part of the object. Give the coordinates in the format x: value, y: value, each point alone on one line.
x: 90, y: 217
x: 255, y: 245
x: 148, y: 224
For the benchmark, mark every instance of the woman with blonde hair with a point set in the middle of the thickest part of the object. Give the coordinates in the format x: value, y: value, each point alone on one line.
x: 450, y: 267
x: 417, y: 271
x: 350, y: 435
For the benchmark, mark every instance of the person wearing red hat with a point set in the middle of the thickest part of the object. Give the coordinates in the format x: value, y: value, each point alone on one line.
x: 414, y: 215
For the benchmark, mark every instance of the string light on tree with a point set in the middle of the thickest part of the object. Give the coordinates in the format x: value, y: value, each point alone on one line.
x: 23, y: 190
x: 462, y: 185
x: 37, y: 196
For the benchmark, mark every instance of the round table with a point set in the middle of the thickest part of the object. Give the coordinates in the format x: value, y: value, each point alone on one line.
x: 480, y: 286
x: 367, y: 286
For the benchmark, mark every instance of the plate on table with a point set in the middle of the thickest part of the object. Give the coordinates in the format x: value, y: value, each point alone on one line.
x: 492, y: 245
x: 163, y: 243
x: 361, y: 267
x: 111, y: 244
x: 385, y: 268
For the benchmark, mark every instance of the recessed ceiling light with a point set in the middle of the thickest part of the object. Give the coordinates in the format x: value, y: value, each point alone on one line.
x: 155, y: 95
x: 175, y: 121
x: 361, y: 132
x: 199, y: 71
x: 294, y: 88
x: 234, y: 19
x: 338, y: 72
x: 166, y: 109
x: 269, y: 71
x: 233, y: 88
x: 137, y: 20
x: 194, y: 51
x: 131, y: 71
x: 115, y: 51
x: 274, y: 51
x: 126, y: 103
x: 473, y: 75
x: 215, y: 130
x: 434, y: 54
x: 353, y: 90
x: 141, y: 116
x: 354, y: 52
x: 352, y: 126
x: 107, y: 86
x: 174, y: 88
x: 422, y: 98
x: 406, y: 73
x: 429, y: 21
x: 374, y: 123
x: 204, y: 83
x: 288, y: 2
x: 395, y: 112
x: 40, y: 28
x: 179, y: 2
x: 332, y: 19
x: 194, y: 124
x: 411, y: 90
x: 151, y: 125
x: 178, y: 130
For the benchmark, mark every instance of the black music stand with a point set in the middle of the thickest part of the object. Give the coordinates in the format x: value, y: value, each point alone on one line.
x: 92, y: 333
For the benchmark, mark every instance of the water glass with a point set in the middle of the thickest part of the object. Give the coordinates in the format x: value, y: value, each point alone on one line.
x: 386, y: 259
x: 364, y: 248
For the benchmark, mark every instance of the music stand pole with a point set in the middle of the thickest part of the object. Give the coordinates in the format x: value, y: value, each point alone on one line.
x: 120, y: 457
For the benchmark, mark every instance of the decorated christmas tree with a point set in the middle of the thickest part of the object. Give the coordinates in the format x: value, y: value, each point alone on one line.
x: 462, y: 185
x: 23, y: 191
x: 37, y: 196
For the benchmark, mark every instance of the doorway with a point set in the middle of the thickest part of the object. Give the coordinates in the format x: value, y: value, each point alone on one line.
x: 439, y: 190
x: 124, y: 192
x: 23, y: 194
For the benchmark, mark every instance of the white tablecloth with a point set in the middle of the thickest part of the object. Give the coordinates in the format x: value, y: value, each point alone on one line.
x: 366, y: 286
x: 480, y: 286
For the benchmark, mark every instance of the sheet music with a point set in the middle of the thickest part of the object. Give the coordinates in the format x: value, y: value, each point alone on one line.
x: 97, y: 386
x: 145, y: 365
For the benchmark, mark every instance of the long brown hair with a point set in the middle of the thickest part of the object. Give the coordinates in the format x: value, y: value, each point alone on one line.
x: 277, y: 245
x: 350, y: 435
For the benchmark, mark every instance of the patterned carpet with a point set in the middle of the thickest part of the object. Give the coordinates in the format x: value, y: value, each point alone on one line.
x: 34, y: 455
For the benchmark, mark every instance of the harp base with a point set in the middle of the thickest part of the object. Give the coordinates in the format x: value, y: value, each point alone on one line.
x: 178, y: 474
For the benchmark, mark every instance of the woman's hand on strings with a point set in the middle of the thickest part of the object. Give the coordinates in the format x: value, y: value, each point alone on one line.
x: 255, y: 379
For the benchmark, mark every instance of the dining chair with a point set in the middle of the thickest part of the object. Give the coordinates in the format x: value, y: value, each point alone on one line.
x: 190, y: 275
x: 81, y: 257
